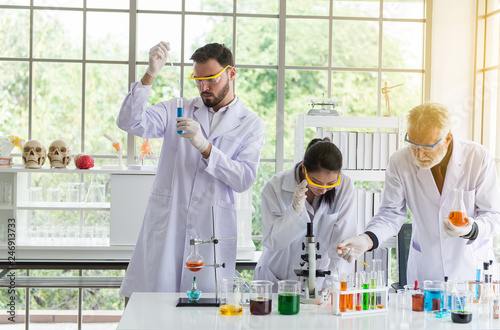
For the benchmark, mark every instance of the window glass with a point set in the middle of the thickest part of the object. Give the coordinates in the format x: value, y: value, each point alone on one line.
x: 158, y: 4
x: 258, y: 6
x: 14, y: 89
x: 358, y: 8
x: 308, y: 7
x: 58, y: 34
x: 404, y: 9
x: 492, y: 42
x: 300, y: 87
x: 257, y: 48
x: 111, y: 4
x: 357, y: 92
x: 15, y: 2
x: 59, y: 3
x: 57, y: 106
x: 257, y: 89
x: 405, y: 97
x: 208, y: 29
x: 402, y: 46
x: 355, y: 50
x: 153, y: 28
x: 210, y: 6
x: 107, y: 41
x: 103, y: 100
x: 14, y: 32
x: 480, y: 44
x: 492, y: 5
x: 301, y: 48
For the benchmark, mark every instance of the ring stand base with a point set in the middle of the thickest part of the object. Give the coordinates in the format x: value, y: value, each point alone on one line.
x: 202, y: 302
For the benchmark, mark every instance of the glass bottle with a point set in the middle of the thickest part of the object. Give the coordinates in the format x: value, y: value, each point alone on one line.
x: 458, y: 215
x: 194, y: 261
x: 194, y: 294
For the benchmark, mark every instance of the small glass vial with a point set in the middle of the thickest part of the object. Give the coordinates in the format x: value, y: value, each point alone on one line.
x: 194, y: 294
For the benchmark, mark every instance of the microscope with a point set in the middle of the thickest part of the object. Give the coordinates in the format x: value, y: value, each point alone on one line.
x: 311, y: 293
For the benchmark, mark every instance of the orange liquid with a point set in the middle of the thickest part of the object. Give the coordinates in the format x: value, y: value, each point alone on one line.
x: 343, y: 286
x: 231, y: 309
x: 194, y: 266
x: 343, y: 303
x: 349, y: 302
x: 358, y: 307
x: 458, y: 218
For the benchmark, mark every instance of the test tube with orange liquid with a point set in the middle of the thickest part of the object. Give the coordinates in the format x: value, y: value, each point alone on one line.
x: 343, y: 297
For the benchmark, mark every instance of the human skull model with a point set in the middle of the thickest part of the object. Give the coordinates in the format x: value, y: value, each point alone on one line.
x: 59, y: 154
x: 34, y: 154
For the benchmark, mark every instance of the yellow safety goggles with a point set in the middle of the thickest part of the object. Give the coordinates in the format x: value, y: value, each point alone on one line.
x: 320, y: 186
x: 212, y: 80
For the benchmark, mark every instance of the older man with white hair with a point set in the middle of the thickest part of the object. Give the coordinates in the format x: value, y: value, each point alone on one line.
x: 422, y: 176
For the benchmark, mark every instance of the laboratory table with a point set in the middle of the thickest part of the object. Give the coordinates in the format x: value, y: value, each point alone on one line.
x: 147, y: 311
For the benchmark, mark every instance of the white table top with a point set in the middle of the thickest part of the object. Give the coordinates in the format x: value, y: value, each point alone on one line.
x: 147, y: 311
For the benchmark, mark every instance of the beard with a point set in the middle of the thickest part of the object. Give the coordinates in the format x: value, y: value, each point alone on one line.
x: 216, y: 98
x: 426, y: 162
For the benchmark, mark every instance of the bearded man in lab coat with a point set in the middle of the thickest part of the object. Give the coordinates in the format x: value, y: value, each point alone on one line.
x: 216, y: 155
x: 423, y: 176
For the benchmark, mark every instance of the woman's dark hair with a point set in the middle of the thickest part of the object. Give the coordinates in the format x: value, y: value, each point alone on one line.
x: 323, y: 155
x: 215, y: 51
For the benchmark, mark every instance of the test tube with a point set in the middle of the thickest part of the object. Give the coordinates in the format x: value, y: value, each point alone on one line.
x: 373, y: 285
x: 359, y: 283
x: 180, y: 107
x: 366, y: 295
x: 350, y: 286
x: 343, y: 297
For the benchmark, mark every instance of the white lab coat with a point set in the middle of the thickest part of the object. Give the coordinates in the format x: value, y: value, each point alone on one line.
x: 284, y: 231
x: 434, y: 254
x: 186, y: 187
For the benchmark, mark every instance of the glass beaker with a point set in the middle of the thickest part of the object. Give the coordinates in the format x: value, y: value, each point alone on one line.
x: 35, y: 194
x: 231, y: 294
x: 458, y: 214
x: 433, y: 290
x: 95, y: 194
x: 53, y: 195
x: 288, y: 297
x: 74, y: 192
x: 461, y: 306
x: 261, y: 297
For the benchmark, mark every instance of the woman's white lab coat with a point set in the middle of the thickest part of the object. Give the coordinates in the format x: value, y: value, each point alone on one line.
x: 186, y: 187
x: 284, y: 231
x: 434, y: 254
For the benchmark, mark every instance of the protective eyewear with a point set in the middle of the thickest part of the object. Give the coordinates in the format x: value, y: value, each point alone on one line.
x: 424, y: 147
x: 320, y: 186
x: 212, y: 80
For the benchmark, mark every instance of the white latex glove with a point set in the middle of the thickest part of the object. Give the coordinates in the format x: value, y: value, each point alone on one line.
x: 157, y: 58
x: 327, y: 290
x: 353, y: 247
x: 299, y: 197
x: 455, y: 231
x: 192, y: 131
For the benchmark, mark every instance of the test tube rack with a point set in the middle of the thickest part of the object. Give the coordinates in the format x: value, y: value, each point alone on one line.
x: 384, y: 293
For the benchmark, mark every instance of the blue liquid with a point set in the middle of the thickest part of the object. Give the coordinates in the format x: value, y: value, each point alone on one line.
x: 179, y: 114
x: 432, y: 294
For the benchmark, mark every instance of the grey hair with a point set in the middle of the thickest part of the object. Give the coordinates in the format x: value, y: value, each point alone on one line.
x: 429, y: 115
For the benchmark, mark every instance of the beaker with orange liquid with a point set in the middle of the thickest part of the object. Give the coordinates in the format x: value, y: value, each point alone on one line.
x: 458, y: 215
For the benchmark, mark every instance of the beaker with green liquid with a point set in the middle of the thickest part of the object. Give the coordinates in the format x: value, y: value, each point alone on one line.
x: 288, y: 297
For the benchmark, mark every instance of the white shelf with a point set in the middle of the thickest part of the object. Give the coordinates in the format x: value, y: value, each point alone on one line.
x: 74, y: 170
x: 64, y: 206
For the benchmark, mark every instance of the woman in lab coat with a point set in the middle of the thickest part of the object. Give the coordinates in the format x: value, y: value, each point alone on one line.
x: 313, y: 191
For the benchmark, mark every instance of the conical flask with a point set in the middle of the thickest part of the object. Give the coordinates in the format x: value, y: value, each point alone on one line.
x: 194, y: 261
x: 458, y: 216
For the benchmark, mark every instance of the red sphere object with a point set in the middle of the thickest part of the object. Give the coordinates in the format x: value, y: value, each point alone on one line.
x: 84, y: 162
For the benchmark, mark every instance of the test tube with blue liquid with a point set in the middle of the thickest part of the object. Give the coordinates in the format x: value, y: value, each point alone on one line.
x: 180, y: 107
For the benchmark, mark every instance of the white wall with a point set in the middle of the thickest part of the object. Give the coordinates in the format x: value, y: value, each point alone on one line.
x: 452, y: 60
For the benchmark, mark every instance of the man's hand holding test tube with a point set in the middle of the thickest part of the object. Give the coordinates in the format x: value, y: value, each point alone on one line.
x: 353, y: 247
